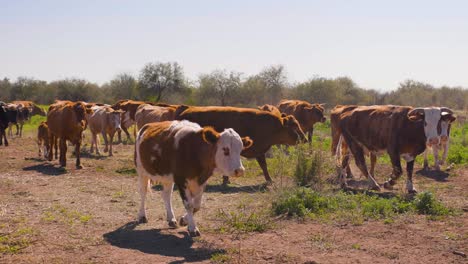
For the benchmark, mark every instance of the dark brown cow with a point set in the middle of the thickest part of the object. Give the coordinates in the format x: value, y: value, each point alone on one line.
x: 398, y: 130
x: 264, y: 128
x: 43, y: 143
x: 7, y: 116
x: 66, y: 121
x: 307, y: 114
x: 186, y: 154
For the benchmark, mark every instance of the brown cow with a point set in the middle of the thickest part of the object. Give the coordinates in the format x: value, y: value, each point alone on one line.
x: 398, y: 130
x: 66, y: 121
x: 307, y: 114
x: 264, y: 128
x: 147, y: 113
x: 270, y: 108
x: 128, y: 119
x: 106, y: 121
x: 34, y: 109
x: 43, y: 140
x: 186, y: 154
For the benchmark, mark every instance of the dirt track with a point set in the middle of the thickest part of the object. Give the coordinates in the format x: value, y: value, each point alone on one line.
x: 87, y: 216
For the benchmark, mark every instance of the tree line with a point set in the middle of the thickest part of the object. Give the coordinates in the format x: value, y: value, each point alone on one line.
x: 166, y: 82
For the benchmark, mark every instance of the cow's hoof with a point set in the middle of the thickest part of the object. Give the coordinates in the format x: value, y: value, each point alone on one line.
x: 388, y: 186
x: 182, y: 221
x: 105, y: 150
x: 79, y: 167
x: 195, y: 233
x: 110, y: 154
x: 437, y: 168
x: 226, y: 181
x: 173, y: 224
x: 412, y: 191
x: 143, y: 220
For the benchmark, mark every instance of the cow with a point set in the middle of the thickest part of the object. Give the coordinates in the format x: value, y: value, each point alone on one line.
x: 66, y: 121
x: 307, y: 114
x: 104, y: 120
x: 128, y: 119
x: 264, y: 128
x: 185, y: 154
x: 43, y: 140
x: 33, y: 108
x: 7, y: 116
x: 147, y: 113
x: 445, y: 125
x: 23, y: 115
x: 401, y: 131
x: 270, y: 108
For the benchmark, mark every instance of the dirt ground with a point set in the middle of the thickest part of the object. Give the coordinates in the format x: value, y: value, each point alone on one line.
x: 87, y: 216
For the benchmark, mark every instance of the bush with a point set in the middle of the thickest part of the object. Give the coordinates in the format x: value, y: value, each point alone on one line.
x: 308, y: 169
x: 244, y: 221
x: 426, y: 203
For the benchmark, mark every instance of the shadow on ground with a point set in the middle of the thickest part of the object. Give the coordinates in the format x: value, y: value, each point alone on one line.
x: 153, y: 241
x: 46, y: 168
x: 440, y: 176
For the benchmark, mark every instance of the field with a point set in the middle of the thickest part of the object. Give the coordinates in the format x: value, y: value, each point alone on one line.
x: 54, y: 215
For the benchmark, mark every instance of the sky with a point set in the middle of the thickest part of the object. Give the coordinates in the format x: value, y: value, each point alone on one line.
x: 376, y: 43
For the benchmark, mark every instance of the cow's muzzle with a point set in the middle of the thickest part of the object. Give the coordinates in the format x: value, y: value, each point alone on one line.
x: 433, y: 141
x: 239, y: 172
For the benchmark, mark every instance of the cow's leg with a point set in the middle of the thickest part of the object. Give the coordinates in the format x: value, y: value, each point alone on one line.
x: 111, y: 141
x: 444, y: 155
x: 10, y: 130
x: 426, y: 163
x: 397, y: 170
x: 310, y: 135
x: 56, y: 146
x: 119, y: 135
x: 127, y: 133
x: 435, y: 150
x: 104, y: 135
x: 263, y: 164
x: 93, y: 141
x: 39, y: 146
x: 189, y: 204
x: 77, y: 153
x: 373, y: 161
x: 63, y: 152
x: 17, y: 129
x: 166, y: 195
x: 143, y: 187
x: 409, y: 180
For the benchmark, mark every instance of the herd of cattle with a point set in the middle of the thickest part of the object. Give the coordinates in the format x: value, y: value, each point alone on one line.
x: 184, y: 145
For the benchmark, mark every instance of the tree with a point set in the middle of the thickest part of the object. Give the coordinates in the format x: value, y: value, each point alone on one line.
x: 5, y: 87
x: 275, y: 81
x: 123, y: 86
x: 220, y: 85
x: 157, y: 80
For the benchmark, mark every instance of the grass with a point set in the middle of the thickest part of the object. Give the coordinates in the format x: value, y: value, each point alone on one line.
x: 305, y: 203
x: 60, y: 214
x: 244, y: 220
x: 126, y: 171
x: 14, y: 242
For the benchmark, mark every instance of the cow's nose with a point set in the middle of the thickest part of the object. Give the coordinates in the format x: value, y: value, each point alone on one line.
x: 239, y: 172
x: 444, y: 138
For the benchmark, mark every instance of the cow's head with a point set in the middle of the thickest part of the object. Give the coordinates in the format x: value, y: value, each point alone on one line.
x: 115, y: 117
x: 229, y: 145
x: 291, y: 132
x: 80, y: 111
x: 445, y: 121
x: 431, y: 117
x: 313, y: 114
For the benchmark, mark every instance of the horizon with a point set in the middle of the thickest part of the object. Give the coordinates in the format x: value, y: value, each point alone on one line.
x: 377, y: 45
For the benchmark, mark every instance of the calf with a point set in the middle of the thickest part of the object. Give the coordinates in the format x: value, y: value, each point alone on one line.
x: 264, y: 128
x: 66, y: 121
x: 43, y: 140
x: 445, y: 125
x: 106, y: 121
x: 307, y: 114
x: 398, y: 130
x: 186, y: 154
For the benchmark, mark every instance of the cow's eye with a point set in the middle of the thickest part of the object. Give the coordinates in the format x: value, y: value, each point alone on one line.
x: 226, y: 151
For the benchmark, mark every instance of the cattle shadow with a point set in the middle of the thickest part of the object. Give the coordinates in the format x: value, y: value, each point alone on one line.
x: 440, y: 176
x: 220, y: 188
x: 47, y: 169
x: 153, y: 241
x: 89, y: 155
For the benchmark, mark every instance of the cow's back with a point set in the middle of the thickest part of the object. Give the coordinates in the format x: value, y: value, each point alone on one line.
x: 63, y: 121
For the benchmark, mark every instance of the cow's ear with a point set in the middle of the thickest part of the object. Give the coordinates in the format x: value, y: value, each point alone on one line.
x: 247, y: 142
x: 210, y: 135
x: 448, y: 117
x: 416, y: 114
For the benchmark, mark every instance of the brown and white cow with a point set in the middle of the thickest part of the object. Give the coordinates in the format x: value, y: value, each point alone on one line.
x: 106, y: 121
x: 307, y: 114
x: 401, y: 131
x: 264, y: 128
x: 66, y: 121
x: 185, y: 154
x: 43, y: 143
x: 445, y: 125
x: 23, y: 115
x: 147, y: 113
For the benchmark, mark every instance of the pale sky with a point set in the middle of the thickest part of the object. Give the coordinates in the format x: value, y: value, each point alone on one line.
x: 376, y: 43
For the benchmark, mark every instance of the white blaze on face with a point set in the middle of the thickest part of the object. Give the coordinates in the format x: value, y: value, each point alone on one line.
x: 115, y: 120
x: 431, y: 120
x: 228, y: 151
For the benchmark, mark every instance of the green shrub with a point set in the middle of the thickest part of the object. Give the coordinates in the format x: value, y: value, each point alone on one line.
x: 244, y: 220
x: 426, y: 203
x: 308, y: 169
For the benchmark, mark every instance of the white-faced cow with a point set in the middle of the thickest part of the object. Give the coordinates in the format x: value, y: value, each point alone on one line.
x: 106, y: 121
x: 401, y: 131
x: 445, y: 125
x: 185, y: 154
